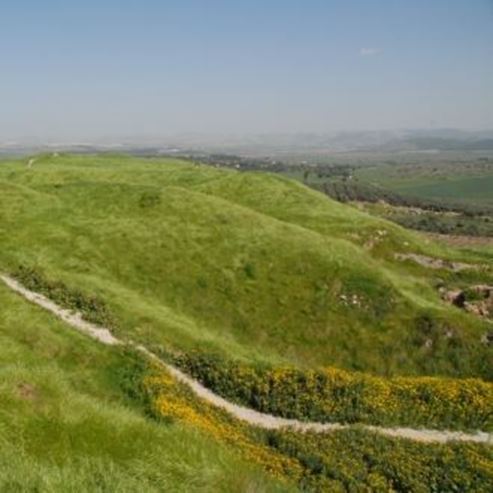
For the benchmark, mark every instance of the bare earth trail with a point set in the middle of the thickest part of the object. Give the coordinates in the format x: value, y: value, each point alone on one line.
x: 250, y: 416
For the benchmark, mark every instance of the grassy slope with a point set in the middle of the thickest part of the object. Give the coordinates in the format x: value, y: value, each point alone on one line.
x: 66, y: 426
x: 251, y: 264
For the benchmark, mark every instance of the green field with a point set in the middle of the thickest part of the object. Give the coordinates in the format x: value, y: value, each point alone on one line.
x: 468, y: 184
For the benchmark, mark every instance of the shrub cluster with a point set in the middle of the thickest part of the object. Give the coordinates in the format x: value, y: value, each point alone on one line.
x: 356, y: 461
x: 336, y: 395
x: 351, y: 460
x: 91, y: 307
x: 354, y: 190
x: 171, y: 402
x: 461, y: 224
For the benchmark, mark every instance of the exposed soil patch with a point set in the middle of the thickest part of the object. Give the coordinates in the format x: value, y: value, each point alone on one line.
x: 27, y: 391
x: 462, y: 241
x: 435, y: 263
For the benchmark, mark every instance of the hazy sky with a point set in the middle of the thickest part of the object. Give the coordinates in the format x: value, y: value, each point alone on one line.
x: 93, y: 68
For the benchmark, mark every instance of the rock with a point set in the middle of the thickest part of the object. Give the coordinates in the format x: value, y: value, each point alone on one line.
x: 449, y: 333
x: 474, y: 309
x: 483, y: 289
x: 487, y: 338
x: 479, y: 307
x: 456, y: 298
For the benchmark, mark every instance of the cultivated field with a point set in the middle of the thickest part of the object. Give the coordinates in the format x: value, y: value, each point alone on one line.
x: 466, y: 182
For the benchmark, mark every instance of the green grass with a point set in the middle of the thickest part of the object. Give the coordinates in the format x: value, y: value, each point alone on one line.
x: 66, y: 425
x: 251, y: 264
x: 255, y: 267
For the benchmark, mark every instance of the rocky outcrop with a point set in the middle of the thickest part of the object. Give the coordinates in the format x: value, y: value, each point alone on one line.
x: 477, y: 299
x: 457, y: 297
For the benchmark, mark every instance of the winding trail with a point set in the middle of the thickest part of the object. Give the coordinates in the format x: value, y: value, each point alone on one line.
x: 250, y: 416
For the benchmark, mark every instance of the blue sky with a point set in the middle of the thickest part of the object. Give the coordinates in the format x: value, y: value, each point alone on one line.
x: 77, y: 70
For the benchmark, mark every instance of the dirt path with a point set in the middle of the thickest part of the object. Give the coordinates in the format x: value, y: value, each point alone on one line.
x: 252, y: 417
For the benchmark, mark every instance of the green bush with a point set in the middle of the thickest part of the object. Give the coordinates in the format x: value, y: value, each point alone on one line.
x: 91, y: 307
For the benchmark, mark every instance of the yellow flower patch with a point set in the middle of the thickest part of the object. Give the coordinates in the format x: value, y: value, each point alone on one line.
x: 170, y: 400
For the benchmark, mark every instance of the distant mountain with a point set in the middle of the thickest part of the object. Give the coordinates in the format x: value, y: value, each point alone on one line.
x: 407, y: 140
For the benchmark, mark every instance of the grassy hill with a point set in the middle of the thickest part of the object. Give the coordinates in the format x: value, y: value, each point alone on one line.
x: 227, y: 271
x: 69, y: 423
x: 66, y: 425
x: 255, y: 266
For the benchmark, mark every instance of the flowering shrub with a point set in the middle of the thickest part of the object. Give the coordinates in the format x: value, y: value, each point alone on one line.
x: 357, y: 460
x: 351, y: 460
x: 171, y: 401
x: 331, y: 394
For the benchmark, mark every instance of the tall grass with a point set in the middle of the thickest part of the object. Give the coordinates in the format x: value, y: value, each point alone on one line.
x: 66, y: 424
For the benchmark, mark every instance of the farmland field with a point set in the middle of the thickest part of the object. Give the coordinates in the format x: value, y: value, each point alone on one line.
x: 471, y: 184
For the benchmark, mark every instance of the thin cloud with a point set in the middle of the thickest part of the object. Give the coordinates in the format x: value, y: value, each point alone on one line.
x: 369, y: 51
